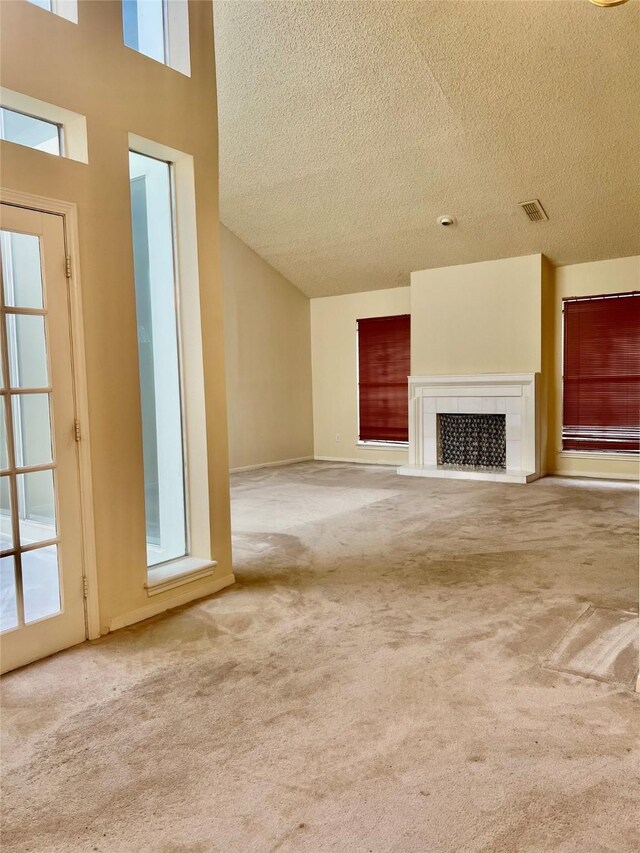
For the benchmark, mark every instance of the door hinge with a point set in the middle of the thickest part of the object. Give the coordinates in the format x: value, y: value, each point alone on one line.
x: 85, y: 587
x: 67, y: 266
x: 76, y: 430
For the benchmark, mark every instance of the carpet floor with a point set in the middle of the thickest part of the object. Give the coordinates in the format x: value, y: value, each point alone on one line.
x: 407, y: 665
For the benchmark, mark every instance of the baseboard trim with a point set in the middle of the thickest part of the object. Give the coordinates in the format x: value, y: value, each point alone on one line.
x: 271, y: 464
x: 158, y: 607
x: 595, y: 475
x: 282, y: 462
x: 357, y: 461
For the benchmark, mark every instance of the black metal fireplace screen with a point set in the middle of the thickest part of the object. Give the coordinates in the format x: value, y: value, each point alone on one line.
x: 478, y: 440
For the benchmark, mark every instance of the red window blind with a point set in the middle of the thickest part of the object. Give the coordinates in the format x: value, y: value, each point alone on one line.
x: 383, y: 369
x: 601, y: 384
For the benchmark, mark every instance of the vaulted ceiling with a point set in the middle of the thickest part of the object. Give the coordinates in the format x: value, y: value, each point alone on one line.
x: 347, y: 128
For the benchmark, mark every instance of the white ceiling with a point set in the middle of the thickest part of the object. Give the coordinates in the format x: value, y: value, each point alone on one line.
x: 347, y: 128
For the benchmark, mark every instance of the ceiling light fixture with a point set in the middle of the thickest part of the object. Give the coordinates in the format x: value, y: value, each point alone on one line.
x: 446, y: 221
x: 606, y: 3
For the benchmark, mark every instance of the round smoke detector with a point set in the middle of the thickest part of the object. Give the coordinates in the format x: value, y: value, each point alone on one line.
x: 446, y: 221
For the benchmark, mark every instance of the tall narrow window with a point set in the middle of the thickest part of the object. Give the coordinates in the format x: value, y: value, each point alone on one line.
x: 159, y: 358
x: 384, y: 357
x: 601, y: 374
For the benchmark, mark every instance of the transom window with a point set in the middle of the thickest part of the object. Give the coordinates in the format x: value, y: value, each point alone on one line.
x: 158, y: 29
x: 601, y: 373
x: 23, y: 129
x: 145, y: 27
x: 65, y: 8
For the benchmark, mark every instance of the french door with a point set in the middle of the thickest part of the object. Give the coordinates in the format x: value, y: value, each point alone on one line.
x: 41, y: 570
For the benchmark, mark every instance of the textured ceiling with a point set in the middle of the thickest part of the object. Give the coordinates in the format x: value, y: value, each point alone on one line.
x: 347, y: 128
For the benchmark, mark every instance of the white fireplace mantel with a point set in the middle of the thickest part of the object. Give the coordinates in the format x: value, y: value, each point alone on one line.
x: 511, y: 394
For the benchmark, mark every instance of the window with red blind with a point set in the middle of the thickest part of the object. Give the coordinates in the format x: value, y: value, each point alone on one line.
x: 601, y: 382
x: 383, y: 369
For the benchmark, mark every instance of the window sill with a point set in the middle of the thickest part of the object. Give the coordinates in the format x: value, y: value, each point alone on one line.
x: 384, y: 445
x: 178, y: 572
x: 597, y: 454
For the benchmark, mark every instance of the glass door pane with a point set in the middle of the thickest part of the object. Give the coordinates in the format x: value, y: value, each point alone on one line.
x: 30, y: 574
x: 8, y: 601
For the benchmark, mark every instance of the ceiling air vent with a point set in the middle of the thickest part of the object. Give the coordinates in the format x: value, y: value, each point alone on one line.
x: 534, y: 210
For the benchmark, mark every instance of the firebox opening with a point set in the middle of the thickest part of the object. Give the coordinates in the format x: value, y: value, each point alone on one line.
x: 474, y: 440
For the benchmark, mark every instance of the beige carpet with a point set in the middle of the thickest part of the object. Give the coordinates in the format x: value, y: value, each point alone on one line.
x: 384, y: 677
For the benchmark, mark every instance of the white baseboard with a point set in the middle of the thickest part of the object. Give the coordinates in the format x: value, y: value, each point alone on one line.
x: 156, y: 607
x: 271, y: 464
x: 357, y: 461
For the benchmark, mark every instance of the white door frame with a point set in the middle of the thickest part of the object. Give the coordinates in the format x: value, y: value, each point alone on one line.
x: 69, y: 212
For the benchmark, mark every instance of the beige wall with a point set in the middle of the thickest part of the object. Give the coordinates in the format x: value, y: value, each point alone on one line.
x: 334, y: 359
x: 546, y: 385
x: 268, y: 359
x: 501, y: 316
x: 611, y: 276
x: 477, y: 318
x: 87, y: 69
x: 484, y: 318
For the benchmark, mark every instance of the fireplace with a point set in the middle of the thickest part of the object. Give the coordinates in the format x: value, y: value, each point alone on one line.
x: 473, y: 440
x: 481, y: 427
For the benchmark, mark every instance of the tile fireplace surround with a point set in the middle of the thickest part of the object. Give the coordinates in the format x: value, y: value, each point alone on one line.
x: 511, y: 394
